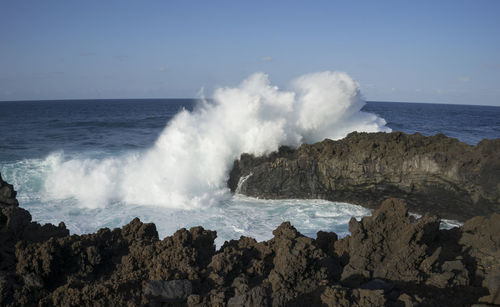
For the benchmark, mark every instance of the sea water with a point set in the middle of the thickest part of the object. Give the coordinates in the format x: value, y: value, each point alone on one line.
x: 100, y: 163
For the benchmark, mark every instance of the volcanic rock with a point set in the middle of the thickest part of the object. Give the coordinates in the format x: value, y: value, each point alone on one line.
x: 7, y: 194
x: 388, y: 245
x: 170, y: 291
x: 390, y: 259
x: 435, y: 174
x: 481, y: 240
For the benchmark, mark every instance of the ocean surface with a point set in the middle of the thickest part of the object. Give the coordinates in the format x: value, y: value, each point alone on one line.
x: 99, y: 163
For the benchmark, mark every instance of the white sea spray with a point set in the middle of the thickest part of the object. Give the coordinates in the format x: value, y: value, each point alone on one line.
x: 188, y: 165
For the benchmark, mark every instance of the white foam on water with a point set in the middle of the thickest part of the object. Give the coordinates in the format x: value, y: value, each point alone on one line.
x: 449, y: 224
x: 444, y: 224
x: 231, y: 217
x: 188, y: 166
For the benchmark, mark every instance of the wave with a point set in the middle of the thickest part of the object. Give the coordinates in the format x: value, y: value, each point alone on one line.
x: 188, y: 165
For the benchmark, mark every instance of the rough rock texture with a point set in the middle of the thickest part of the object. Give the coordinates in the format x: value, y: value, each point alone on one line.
x: 481, y: 239
x: 390, y: 259
x: 391, y: 246
x: 434, y: 174
x: 7, y: 194
x: 16, y: 226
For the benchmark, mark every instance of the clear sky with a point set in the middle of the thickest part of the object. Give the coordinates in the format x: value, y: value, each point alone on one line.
x: 421, y: 51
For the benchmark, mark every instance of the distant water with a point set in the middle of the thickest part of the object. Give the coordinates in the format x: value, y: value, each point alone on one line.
x: 84, y: 141
x: 33, y: 129
x: 469, y: 124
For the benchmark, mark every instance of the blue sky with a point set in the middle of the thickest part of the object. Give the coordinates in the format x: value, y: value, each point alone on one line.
x: 420, y: 51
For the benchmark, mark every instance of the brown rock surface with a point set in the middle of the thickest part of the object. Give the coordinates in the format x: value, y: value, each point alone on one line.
x: 481, y: 240
x: 435, y: 174
x: 390, y: 259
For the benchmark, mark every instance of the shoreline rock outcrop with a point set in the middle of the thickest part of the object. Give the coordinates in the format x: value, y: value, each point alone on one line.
x: 390, y: 259
x: 434, y: 174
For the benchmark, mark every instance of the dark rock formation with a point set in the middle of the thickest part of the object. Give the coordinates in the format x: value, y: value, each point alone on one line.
x: 481, y: 238
x: 7, y: 194
x: 168, y: 291
x: 390, y: 259
x: 16, y: 226
x: 435, y: 174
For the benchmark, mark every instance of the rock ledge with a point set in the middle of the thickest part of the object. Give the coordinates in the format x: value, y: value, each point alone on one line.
x: 435, y: 174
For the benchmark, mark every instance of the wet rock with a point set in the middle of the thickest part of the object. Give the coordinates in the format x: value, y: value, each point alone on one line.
x: 435, y: 174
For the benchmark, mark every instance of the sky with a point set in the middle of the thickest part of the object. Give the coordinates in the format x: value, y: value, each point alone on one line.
x: 408, y: 51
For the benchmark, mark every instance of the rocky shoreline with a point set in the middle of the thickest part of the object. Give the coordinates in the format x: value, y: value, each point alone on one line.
x: 435, y: 174
x: 390, y: 259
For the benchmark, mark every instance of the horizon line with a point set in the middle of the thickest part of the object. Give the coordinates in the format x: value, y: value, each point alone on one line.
x: 89, y: 99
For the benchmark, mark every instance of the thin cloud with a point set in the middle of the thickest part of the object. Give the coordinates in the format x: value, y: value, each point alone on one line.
x: 162, y: 69
x: 267, y: 59
x: 464, y: 79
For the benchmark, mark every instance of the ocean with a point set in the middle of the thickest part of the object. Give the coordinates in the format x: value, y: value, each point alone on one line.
x: 100, y: 163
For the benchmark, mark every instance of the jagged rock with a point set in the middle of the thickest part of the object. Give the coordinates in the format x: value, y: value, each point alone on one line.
x: 390, y: 259
x: 244, y: 257
x: 255, y: 297
x: 389, y: 245
x: 481, y: 240
x: 45, y: 264
x: 434, y: 174
x: 299, y: 266
x: 7, y: 194
x: 326, y: 241
x: 276, y: 271
x: 16, y: 226
x: 110, y: 267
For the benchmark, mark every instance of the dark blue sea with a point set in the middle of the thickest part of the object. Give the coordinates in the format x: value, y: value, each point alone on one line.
x: 99, y: 163
x: 469, y: 124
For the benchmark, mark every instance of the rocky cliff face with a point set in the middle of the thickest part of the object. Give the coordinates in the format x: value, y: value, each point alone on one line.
x: 390, y: 259
x: 433, y: 174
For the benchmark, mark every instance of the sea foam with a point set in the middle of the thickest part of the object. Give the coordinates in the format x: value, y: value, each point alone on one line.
x: 188, y: 165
